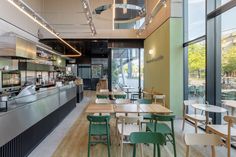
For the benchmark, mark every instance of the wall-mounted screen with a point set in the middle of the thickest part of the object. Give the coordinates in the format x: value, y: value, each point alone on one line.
x: 11, y: 79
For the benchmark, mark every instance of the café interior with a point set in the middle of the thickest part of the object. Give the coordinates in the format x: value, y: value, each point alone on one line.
x: 117, y: 78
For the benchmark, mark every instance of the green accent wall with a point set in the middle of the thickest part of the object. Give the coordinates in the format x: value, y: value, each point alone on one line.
x: 163, y: 67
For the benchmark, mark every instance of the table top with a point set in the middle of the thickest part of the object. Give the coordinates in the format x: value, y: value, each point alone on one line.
x: 142, y: 108
x: 128, y: 87
x: 127, y: 108
x: 100, y: 108
x: 209, y: 108
x: 230, y: 103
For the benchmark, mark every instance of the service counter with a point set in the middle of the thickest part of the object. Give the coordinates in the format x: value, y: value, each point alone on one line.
x: 31, y: 118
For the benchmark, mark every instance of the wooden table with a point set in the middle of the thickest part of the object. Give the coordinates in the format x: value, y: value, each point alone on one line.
x: 209, y: 108
x: 127, y: 108
x: 155, y: 108
x: 231, y: 104
x: 98, y: 108
x: 142, y: 108
x: 127, y: 90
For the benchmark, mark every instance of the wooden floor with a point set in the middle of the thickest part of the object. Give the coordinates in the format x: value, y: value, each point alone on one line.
x: 75, y: 142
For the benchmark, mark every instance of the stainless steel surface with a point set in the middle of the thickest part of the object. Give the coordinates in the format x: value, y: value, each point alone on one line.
x: 26, y: 111
x: 4, y: 98
x: 13, y: 46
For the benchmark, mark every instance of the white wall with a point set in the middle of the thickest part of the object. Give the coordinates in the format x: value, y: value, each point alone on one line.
x: 9, y: 14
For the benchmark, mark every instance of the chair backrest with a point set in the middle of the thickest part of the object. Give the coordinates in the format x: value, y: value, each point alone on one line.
x: 120, y: 96
x: 102, y: 101
x: 144, y: 101
x: 98, y: 119
x: 147, y: 137
x: 122, y: 101
x: 130, y: 120
x: 189, y: 102
x: 125, y: 120
x: 161, y: 97
x: 102, y: 96
x: 230, y: 119
x: 104, y: 90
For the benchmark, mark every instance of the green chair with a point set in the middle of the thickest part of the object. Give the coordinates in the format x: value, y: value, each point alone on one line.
x: 154, y: 138
x: 163, y: 128
x: 146, y: 101
x: 99, y: 126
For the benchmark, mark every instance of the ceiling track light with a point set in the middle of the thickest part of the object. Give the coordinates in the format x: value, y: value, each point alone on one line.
x: 24, y: 8
x: 88, y: 14
x: 149, y: 18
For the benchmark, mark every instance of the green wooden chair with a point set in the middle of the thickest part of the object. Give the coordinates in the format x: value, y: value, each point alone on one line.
x: 99, y: 126
x: 163, y: 128
x: 154, y: 138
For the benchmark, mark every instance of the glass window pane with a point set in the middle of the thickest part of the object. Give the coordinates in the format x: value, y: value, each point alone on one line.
x: 222, y: 2
x: 196, y: 69
x: 196, y: 19
x: 228, y: 57
x: 125, y: 68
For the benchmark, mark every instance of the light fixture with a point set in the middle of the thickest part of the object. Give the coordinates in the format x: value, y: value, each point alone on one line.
x: 151, y: 52
x: 149, y: 18
x: 88, y: 14
x: 125, y: 10
x: 24, y: 8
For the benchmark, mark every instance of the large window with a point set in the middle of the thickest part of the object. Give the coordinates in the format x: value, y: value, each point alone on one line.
x: 196, y: 71
x: 195, y: 52
x: 195, y: 19
x: 127, y: 68
x: 228, y: 57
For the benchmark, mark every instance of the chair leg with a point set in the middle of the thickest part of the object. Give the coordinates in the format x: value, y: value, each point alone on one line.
x: 228, y: 141
x: 187, y: 151
x: 134, y: 151
x: 89, y: 146
x: 141, y: 149
x: 183, y: 125
x: 154, y: 150
x: 121, y: 149
x: 174, y: 145
x: 195, y: 127
x: 158, y: 150
x: 108, y: 145
x: 213, y: 151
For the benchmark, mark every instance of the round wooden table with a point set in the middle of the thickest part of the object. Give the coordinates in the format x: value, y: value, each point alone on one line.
x: 209, y: 108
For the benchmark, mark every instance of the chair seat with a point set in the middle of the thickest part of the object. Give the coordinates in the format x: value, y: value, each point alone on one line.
x: 197, y: 117
x: 98, y: 129
x: 128, y: 129
x: 221, y: 130
x: 203, y: 139
x: 160, y: 127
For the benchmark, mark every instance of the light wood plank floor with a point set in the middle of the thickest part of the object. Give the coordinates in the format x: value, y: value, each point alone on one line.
x: 75, y: 142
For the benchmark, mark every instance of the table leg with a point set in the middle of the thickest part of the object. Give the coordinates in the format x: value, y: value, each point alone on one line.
x: 207, y: 119
x: 127, y: 93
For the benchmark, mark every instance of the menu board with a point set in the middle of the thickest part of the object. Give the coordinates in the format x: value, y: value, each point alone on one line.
x: 11, y: 79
